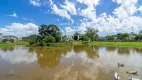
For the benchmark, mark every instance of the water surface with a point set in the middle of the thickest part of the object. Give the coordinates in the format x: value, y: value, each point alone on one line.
x: 68, y: 63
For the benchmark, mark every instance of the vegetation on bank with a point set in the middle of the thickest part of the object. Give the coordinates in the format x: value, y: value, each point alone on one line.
x: 7, y: 44
x: 119, y: 44
x: 50, y: 35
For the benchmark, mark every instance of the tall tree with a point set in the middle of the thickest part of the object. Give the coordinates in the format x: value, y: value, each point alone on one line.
x: 125, y: 37
x: 54, y: 31
x: 122, y: 36
x: 76, y: 36
x: 92, y: 33
x: 43, y: 30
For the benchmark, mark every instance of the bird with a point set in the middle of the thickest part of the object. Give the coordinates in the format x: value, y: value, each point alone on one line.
x: 131, y: 78
x: 131, y: 72
x: 116, y: 76
x: 120, y: 65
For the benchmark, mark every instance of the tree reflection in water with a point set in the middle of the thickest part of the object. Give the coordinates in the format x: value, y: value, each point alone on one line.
x: 91, y: 51
x: 5, y: 49
x: 52, y: 55
x: 138, y: 50
x: 124, y: 50
x: 111, y: 48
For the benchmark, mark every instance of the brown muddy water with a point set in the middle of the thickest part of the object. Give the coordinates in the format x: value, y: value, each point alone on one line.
x: 69, y: 63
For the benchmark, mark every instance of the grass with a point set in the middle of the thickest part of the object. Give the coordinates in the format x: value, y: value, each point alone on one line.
x: 7, y: 44
x: 120, y: 44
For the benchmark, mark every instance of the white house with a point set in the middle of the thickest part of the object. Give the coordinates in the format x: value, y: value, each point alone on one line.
x: 9, y: 38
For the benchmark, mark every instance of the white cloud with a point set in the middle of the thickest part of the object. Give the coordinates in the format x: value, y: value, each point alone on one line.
x: 13, y: 15
x: 90, y: 11
x: 18, y: 29
x: 28, y: 19
x: 35, y: 2
x: 40, y: 2
x: 25, y: 19
x: 89, y: 3
x: 61, y: 12
x: 140, y: 9
x: 123, y: 20
x: 68, y: 29
x: 126, y: 9
x: 51, y: 2
x: 70, y: 7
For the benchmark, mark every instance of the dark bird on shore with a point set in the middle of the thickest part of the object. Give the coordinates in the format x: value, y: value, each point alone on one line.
x: 120, y: 65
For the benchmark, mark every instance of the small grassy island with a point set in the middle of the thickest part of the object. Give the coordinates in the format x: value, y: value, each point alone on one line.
x: 51, y: 36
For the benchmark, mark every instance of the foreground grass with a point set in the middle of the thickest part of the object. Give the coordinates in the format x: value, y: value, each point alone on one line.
x: 7, y: 44
x: 120, y: 44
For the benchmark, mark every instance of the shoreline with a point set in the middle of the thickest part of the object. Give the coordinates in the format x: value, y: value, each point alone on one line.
x: 118, y: 44
x: 112, y: 44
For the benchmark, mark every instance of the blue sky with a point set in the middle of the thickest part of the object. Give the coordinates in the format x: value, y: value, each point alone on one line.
x: 23, y: 17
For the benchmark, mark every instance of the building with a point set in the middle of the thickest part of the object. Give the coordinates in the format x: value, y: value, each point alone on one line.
x: 9, y: 38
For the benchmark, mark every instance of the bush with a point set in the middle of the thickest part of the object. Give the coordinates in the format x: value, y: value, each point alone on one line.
x: 42, y: 43
x: 31, y: 42
x: 50, y: 39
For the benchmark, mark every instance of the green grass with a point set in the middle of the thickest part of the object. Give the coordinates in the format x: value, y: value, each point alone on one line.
x: 7, y: 44
x: 120, y: 44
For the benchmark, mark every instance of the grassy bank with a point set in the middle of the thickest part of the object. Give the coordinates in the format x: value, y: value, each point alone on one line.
x: 7, y: 44
x: 120, y: 44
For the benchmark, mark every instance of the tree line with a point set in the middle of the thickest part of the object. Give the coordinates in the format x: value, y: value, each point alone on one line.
x: 49, y: 34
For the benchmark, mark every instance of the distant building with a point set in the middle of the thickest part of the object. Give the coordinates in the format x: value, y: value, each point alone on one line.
x: 9, y: 38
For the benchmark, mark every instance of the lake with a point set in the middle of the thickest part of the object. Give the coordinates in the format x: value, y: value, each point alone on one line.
x: 79, y: 62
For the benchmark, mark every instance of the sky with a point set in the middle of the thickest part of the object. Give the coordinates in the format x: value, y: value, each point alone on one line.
x: 23, y: 17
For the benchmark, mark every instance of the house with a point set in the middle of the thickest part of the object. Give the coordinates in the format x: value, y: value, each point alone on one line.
x: 9, y: 38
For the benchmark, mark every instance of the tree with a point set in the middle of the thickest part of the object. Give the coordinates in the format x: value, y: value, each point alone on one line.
x: 125, y: 37
x: 76, y: 36
x: 110, y: 38
x: 54, y: 31
x: 122, y: 36
x: 47, y: 34
x: 138, y: 37
x: 84, y: 37
x: 92, y: 33
x: 119, y: 36
x: 43, y: 30
x: 49, y: 39
x: 32, y: 39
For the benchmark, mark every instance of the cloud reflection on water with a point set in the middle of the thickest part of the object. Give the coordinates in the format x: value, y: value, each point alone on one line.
x: 17, y: 55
